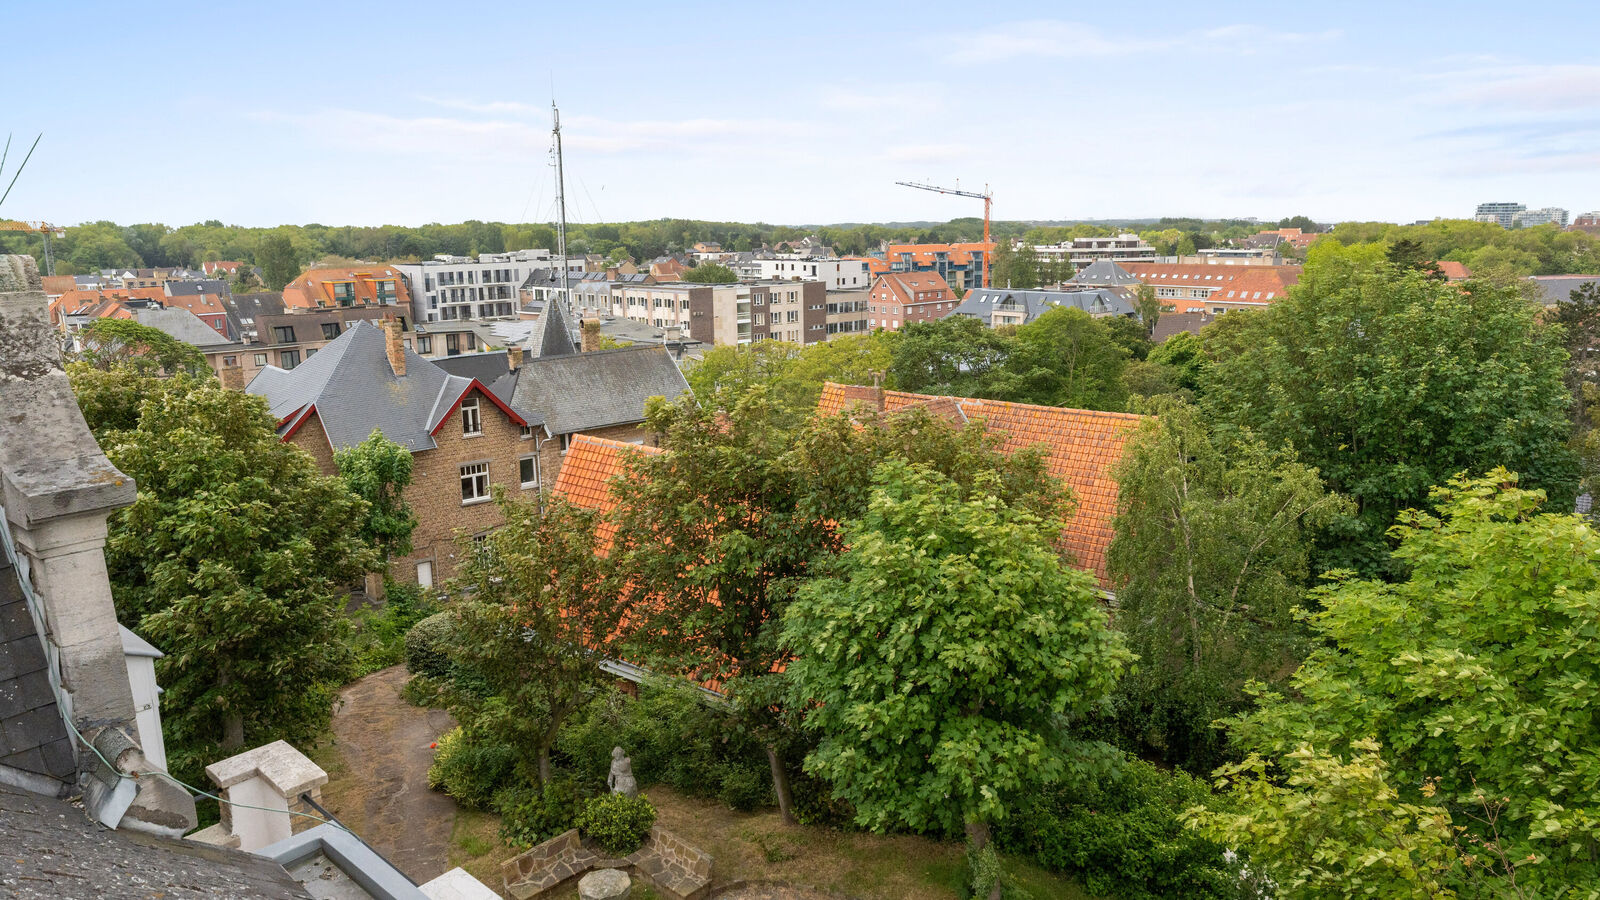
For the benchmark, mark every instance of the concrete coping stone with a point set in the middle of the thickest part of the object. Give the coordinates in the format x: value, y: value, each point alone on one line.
x: 290, y: 772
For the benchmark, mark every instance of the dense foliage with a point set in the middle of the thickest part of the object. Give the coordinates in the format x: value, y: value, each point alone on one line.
x: 1473, y: 675
x: 1209, y: 559
x: 618, y: 823
x: 232, y: 560
x: 942, y: 654
x: 1389, y: 382
x: 378, y: 471
x: 125, y: 345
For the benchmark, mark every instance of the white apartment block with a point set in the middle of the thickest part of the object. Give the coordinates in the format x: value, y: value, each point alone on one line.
x: 835, y: 274
x: 1082, y: 252
x: 460, y: 288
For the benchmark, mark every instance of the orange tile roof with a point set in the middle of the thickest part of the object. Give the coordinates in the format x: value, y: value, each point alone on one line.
x: 1454, y: 271
x: 56, y: 285
x: 314, y: 288
x: 199, y: 304
x: 1256, y: 287
x: 1082, y: 447
x: 587, y: 471
x: 904, y: 287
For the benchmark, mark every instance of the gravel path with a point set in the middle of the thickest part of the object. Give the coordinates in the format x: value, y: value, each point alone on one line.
x: 381, y: 792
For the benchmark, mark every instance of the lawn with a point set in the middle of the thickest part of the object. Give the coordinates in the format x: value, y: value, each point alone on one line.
x: 757, y: 846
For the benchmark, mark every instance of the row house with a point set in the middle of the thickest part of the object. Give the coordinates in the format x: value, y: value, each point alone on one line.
x: 898, y: 299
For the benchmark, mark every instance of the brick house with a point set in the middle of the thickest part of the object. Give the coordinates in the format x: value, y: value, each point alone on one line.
x: 900, y: 298
x: 464, y: 439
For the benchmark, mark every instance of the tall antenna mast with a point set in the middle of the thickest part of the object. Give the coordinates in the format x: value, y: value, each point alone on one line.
x: 561, y: 206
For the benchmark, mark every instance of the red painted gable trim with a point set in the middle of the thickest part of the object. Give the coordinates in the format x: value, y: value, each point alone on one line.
x: 310, y: 410
x: 478, y: 386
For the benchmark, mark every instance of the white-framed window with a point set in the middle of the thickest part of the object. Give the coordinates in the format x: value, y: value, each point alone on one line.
x: 261, y: 359
x: 566, y: 442
x: 471, y: 423
x: 527, y: 432
x: 474, y: 483
x: 528, y: 471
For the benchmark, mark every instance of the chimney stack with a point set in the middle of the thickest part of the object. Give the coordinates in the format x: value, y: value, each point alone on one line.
x: 396, y: 349
x: 589, y: 336
x: 514, y: 357
x: 233, y: 378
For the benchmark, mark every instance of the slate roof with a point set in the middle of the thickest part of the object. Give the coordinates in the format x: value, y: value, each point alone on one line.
x: 1104, y: 272
x: 196, y: 288
x: 245, y: 310
x: 1082, y: 447
x: 1170, y: 324
x: 982, y: 302
x: 52, y: 850
x: 33, y: 737
x: 552, y: 334
x: 595, y: 390
x: 353, y: 390
x: 1559, y: 288
x: 181, y: 324
x: 487, y: 367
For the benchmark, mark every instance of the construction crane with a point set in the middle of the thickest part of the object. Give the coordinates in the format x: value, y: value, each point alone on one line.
x: 987, y: 197
x: 42, y: 229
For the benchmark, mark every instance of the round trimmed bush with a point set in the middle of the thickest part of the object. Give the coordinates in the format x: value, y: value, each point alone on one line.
x: 529, y: 816
x: 618, y: 823
x: 425, y: 646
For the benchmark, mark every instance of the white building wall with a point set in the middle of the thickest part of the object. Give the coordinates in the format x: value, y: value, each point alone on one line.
x: 835, y: 274
x: 459, y: 288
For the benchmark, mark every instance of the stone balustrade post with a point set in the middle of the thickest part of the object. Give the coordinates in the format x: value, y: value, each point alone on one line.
x: 266, y: 783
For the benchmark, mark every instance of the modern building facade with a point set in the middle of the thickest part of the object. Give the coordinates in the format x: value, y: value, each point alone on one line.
x: 847, y: 312
x: 835, y: 274
x: 1500, y: 213
x: 722, y: 314
x: 1548, y: 215
x: 961, y: 266
x: 1081, y: 252
x: 448, y: 288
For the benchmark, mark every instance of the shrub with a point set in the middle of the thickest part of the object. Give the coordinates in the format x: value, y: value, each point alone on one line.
x: 1121, y: 835
x: 744, y: 788
x: 530, y: 816
x: 470, y: 769
x: 381, y: 633
x: 618, y: 823
x: 426, y: 645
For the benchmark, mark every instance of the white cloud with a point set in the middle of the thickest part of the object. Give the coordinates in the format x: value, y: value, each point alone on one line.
x: 1541, y: 87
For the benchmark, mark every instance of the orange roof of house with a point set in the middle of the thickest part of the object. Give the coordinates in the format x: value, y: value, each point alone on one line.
x: 1454, y: 271
x: 56, y: 285
x: 1082, y: 446
x: 199, y: 304
x: 928, y: 254
x: 904, y: 286
x: 314, y: 288
x: 1255, y: 287
x: 586, y: 473
x: 146, y: 293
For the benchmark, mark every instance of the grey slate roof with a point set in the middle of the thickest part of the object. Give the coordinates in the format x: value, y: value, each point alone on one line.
x: 1559, y: 288
x: 52, y: 850
x: 355, y: 391
x: 181, y: 324
x: 1169, y: 324
x: 487, y: 367
x: 32, y: 736
x: 196, y: 288
x: 1104, y: 272
x: 585, y: 391
x: 552, y: 335
x: 982, y: 303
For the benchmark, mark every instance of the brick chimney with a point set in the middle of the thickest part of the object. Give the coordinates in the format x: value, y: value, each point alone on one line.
x: 395, y: 347
x: 589, y: 336
x: 233, y: 378
x: 514, y: 357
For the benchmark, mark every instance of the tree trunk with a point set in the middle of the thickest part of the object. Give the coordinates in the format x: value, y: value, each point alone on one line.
x: 233, y: 731
x: 780, y: 785
x: 978, y: 839
x: 544, y: 766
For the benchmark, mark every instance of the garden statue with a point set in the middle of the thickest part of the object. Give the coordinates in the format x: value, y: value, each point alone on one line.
x: 621, y: 778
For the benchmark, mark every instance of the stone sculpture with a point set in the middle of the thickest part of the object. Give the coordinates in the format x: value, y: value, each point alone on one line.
x: 621, y: 778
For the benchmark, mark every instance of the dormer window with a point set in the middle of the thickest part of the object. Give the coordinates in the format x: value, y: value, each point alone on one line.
x: 471, y: 424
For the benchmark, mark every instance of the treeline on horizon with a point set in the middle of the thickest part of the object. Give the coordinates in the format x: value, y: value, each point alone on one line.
x: 1540, y: 250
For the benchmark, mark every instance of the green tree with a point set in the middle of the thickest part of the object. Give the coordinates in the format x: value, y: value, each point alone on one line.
x: 1209, y: 560
x: 277, y: 259
x: 233, y: 560
x: 1148, y: 305
x: 1408, y: 254
x: 1389, y: 382
x: 1303, y: 223
x: 943, y: 655
x: 1184, y: 354
x: 953, y: 355
x: 1324, y: 826
x: 540, y: 613
x: 1014, y: 268
x: 124, y: 344
x: 793, y: 375
x: 710, y: 273
x: 1063, y: 358
x: 1579, y: 318
x: 378, y: 471
x: 1472, y: 674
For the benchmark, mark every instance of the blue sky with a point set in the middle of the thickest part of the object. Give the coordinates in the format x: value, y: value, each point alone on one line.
x: 405, y: 113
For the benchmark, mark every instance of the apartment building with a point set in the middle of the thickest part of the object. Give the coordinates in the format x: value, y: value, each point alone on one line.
x: 900, y: 298
x: 1547, y: 215
x: 346, y: 287
x: 1084, y: 251
x: 847, y: 312
x: 835, y: 274
x: 961, y: 266
x: 723, y: 314
x: 1500, y: 213
x: 1213, y: 287
x: 460, y: 288
x: 1004, y: 306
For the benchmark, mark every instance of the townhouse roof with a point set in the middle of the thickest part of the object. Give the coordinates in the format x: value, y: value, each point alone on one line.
x: 584, y: 391
x: 1454, y: 271
x: 1104, y: 272
x: 982, y: 303
x: 54, y: 850
x: 198, y: 286
x: 199, y: 304
x: 904, y: 286
x: 351, y: 387
x: 1255, y: 287
x: 315, y: 287
x: 1559, y: 288
x: 1082, y: 447
x: 1213, y: 275
x: 245, y: 309
x: 487, y: 367
x: 1169, y: 324
x: 183, y: 325
x: 587, y: 471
